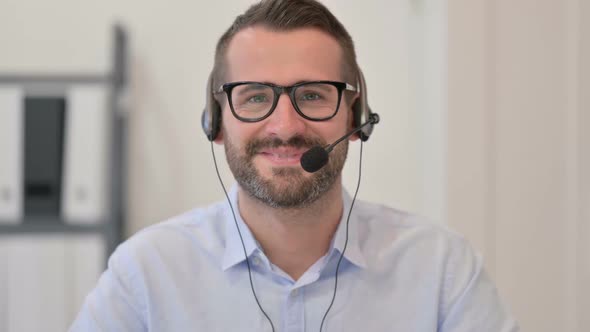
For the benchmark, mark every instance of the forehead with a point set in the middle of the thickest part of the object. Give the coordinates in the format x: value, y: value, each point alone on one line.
x: 283, y: 57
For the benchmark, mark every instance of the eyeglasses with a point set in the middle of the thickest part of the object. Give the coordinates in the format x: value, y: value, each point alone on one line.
x: 255, y: 101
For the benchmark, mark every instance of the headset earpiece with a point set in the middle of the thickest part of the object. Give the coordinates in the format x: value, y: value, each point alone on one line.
x: 362, y: 111
x: 211, y: 117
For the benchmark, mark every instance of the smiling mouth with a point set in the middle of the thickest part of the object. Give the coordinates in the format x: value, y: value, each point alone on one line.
x: 275, y: 152
x: 283, y: 157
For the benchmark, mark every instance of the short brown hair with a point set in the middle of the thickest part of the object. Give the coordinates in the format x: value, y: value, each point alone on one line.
x: 286, y: 15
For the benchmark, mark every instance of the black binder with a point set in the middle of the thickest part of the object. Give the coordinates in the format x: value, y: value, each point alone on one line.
x: 43, y: 142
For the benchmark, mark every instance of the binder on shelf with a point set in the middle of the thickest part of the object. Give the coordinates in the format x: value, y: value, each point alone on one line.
x: 86, y: 255
x: 86, y: 158
x: 11, y: 150
x: 43, y: 150
x: 37, y: 282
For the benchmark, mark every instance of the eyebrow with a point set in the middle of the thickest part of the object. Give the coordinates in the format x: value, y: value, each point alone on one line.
x: 325, y: 87
x: 252, y: 87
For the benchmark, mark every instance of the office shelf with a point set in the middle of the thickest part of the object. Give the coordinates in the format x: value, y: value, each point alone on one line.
x: 52, y: 226
x: 114, y: 82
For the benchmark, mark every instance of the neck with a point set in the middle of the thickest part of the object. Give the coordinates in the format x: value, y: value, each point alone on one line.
x: 294, y: 239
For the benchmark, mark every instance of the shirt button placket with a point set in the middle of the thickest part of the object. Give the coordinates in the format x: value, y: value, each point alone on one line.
x: 295, y: 314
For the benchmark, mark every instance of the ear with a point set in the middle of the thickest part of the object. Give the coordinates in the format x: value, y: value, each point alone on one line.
x: 217, y: 107
x: 219, y: 138
x: 351, y: 116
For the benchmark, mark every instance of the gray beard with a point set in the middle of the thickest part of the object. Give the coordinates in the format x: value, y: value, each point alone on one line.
x: 289, y: 188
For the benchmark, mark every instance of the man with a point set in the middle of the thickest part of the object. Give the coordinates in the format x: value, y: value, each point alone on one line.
x: 297, y: 253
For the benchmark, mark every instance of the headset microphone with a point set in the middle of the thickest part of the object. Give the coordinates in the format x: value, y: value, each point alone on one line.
x: 317, y: 157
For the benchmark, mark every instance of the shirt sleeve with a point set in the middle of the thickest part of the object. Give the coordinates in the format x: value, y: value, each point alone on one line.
x: 470, y: 299
x: 114, y: 304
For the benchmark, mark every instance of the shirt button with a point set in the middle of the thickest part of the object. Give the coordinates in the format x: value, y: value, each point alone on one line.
x: 256, y: 261
x: 295, y: 292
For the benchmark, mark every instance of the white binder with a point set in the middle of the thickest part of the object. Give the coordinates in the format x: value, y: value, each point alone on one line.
x: 44, y: 279
x: 11, y: 154
x: 86, y: 256
x: 37, y: 284
x: 85, y: 194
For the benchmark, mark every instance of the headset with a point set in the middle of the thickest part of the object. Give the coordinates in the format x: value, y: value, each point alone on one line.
x: 211, y: 117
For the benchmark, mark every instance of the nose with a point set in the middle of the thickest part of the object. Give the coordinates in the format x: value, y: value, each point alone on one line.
x: 285, y: 122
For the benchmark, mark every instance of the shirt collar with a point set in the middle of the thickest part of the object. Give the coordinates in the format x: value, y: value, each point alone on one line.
x: 353, y: 251
x: 234, y: 252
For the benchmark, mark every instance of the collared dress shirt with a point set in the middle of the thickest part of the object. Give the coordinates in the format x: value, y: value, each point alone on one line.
x: 399, y: 273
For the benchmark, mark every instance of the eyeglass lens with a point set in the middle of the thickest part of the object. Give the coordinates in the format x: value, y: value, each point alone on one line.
x: 314, y: 100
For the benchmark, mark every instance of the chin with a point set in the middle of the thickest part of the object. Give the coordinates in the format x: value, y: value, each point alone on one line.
x: 270, y: 170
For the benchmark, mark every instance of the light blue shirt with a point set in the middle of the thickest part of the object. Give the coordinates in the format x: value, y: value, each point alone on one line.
x: 399, y: 273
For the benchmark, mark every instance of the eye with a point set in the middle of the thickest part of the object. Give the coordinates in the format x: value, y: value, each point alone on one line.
x: 310, y: 96
x: 258, y: 99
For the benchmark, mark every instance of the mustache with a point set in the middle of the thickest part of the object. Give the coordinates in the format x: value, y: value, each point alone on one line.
x: 299, y: 141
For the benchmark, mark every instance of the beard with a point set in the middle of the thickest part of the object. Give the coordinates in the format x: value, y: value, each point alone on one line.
x: 289, y: 187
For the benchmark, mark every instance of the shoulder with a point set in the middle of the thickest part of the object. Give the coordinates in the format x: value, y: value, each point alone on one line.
x: 196, y: 233
x: 414, y: 244
x: 387, y: 225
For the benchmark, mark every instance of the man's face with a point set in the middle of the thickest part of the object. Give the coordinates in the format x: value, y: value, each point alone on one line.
x: 265, y: 156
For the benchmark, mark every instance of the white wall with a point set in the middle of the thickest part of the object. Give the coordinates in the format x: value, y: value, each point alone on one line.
x: 583, y: 244
x: 518, y: 151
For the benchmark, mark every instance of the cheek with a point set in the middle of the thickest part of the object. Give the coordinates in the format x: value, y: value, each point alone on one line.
x: 236, y: 131
x: 329, y: 132
x: 231, y: 125
x: 345, y: 121
x: 347, y: 114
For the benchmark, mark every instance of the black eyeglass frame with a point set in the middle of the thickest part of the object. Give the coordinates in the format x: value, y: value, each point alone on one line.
x: 278, y: 91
